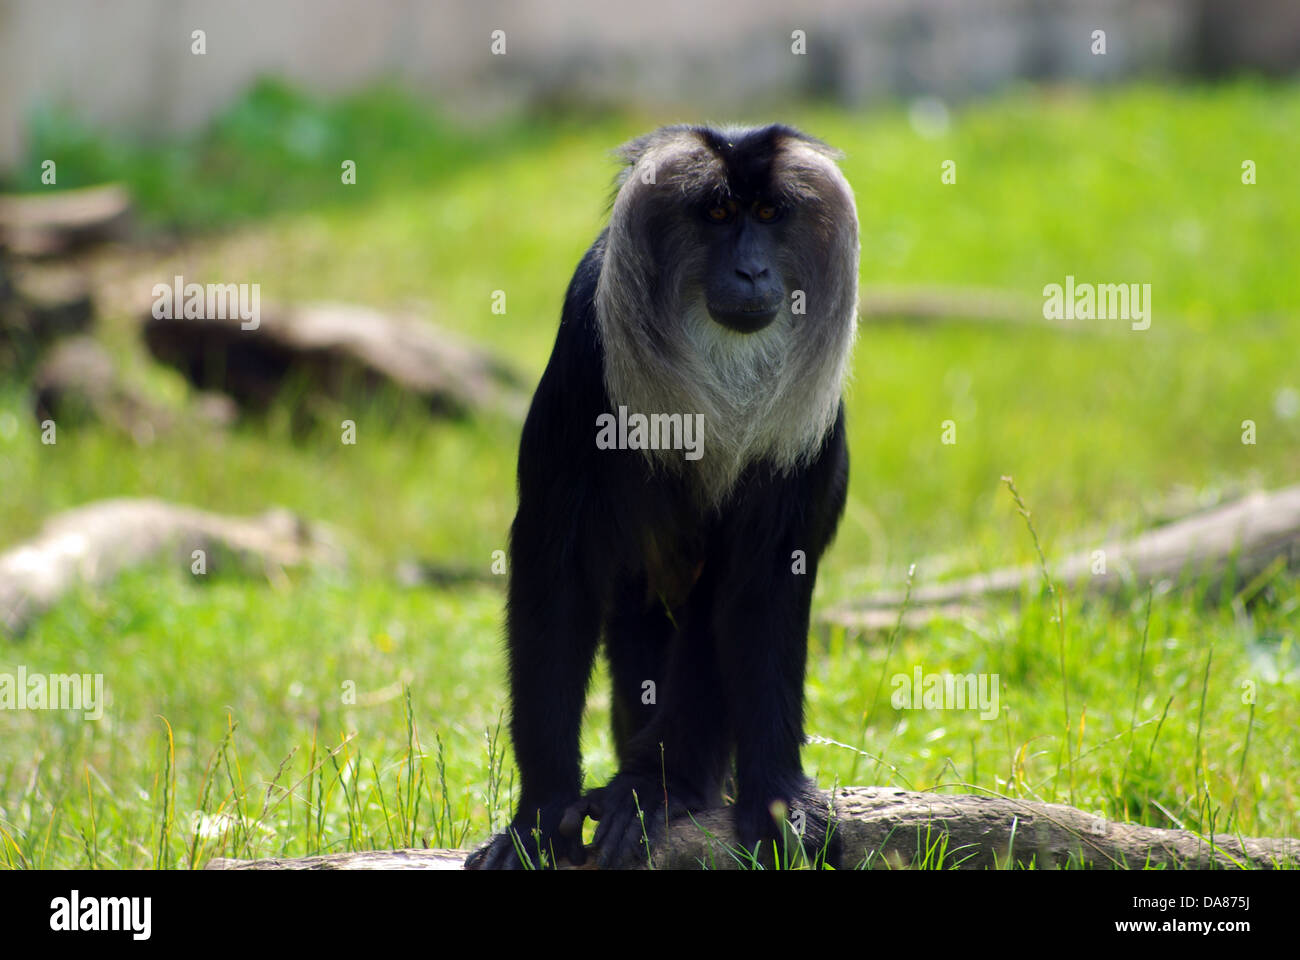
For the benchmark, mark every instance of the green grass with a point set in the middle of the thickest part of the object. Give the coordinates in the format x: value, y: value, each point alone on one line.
x: 1137, y: 185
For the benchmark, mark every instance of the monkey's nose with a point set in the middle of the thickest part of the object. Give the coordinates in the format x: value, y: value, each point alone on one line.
x: 752, y: 273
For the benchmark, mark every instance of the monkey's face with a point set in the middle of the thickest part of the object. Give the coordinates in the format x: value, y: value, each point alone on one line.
x: 742, y: 228
x: 743, y: 286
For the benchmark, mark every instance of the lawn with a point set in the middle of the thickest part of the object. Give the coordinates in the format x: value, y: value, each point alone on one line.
x: 231, y: 729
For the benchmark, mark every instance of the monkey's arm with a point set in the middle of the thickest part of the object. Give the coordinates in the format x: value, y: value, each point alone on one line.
x: 554, y: 602
x: 552, y: 626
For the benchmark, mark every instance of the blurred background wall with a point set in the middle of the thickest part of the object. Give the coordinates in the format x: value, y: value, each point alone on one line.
x: 119, y: 64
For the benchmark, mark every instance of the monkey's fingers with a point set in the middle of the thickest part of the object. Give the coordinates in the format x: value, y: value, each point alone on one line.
x: 620, y: 837
x: 574, y: 816
x: 500, y: 853
x: 490, y: 856
x: 592, y: 803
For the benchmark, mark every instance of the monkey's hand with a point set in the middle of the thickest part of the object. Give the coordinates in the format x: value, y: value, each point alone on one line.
x: 552, y: 834
x: 632, y: 810
x: 789, y: 828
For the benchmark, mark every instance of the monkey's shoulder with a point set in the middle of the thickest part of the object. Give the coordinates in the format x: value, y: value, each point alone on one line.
x: 577, y: 359
x: 560, y: 429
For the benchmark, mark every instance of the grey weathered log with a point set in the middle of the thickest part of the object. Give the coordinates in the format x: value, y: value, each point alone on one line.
x: 1247, y: 535
x: 928, y: 305
x: 327, y: 346
x: 443, y: 574
x: 38, y: 306
x: 431, y: 859
x: 55, y: 222
x: 79, y: 378
x: 55, y: 300
x: 92, y: 543
x: 884, y: 827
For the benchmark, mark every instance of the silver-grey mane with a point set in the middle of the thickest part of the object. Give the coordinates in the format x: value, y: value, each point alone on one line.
x: 766, y: 396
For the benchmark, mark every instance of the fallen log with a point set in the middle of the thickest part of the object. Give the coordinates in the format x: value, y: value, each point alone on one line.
x: 443, y: 574
x: 62, y: 221
x: 37, y: 307
x: 431, y: 859
x: 79, y: 379
x: 328, y: 347
x: 930, y: 305
x: 92, y: 543
x: 1248, y: 536
x: 56, y: 300
x: 888, y: 828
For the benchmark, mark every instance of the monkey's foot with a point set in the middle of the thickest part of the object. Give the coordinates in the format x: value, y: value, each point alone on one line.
x: 552, y: 834
x: 632, y: 811
x: 789, y: 828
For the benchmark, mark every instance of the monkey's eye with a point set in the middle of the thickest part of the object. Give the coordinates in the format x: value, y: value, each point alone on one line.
x: 766, y: 212
x: 720, y: 212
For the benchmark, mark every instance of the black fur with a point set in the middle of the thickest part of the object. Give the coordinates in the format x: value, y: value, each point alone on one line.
x: 702, y: 601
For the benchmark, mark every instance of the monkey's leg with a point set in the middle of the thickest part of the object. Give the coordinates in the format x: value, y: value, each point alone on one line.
x: 553, y: 625
x: 637, y: 638
x: 677, y: 762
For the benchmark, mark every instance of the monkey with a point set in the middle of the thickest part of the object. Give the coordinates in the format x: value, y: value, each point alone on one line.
x: 723, y: 293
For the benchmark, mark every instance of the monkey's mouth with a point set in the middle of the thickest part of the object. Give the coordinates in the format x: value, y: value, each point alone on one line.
x: 744, y: 318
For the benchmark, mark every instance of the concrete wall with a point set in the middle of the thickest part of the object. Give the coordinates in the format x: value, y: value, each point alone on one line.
x: 127, y: 64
